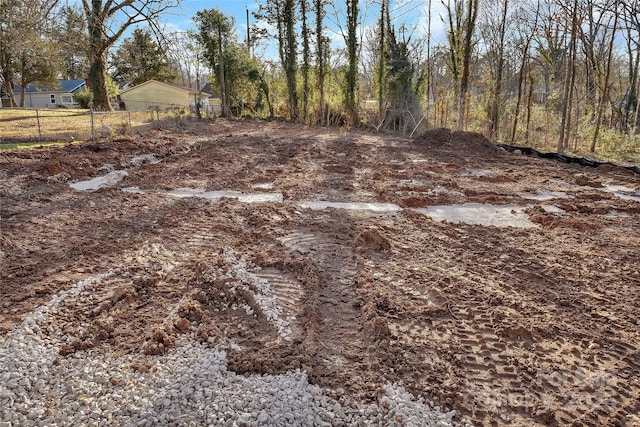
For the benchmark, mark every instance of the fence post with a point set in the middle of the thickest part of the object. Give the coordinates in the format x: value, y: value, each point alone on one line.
x: 38, y: 120
x: 129, y: 120
x: 93, y: 127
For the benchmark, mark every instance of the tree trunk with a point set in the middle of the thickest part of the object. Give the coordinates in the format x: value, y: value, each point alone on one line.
x: 524, y: 70
x: 290, y: 59
x: 494, y: 116
x: 98, y: 68
x: 319, y: 9
x: 23, y: 85
x: 605, y: 89
x: 98, y: 83
x: 516, y: 113
x: 267, y: 93
x: 454, y: 36
x: 632, y: 101
x: 223, y: 84
x: 636, y: 122
x: 565, y: 122
x: 306, y: 59
x: 22, y: 91
x: 352, y: 54
x: 99, y: 14
x: 529, y: 103
x: 472, y: 11
x: 428, y: 89
x: 9, y: 89
x: 381, y: 62
x: 570, y: 101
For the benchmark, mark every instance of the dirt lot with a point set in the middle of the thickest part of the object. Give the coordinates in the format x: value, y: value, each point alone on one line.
x: 531, y: 319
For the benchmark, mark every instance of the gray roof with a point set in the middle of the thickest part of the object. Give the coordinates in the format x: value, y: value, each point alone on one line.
x: 208, y: 89
x: 65, y: 86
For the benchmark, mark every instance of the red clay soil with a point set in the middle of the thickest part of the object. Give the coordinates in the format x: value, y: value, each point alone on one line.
x: 507, y: 325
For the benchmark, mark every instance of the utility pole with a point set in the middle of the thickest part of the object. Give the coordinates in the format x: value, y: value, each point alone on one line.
x: 248, y: 33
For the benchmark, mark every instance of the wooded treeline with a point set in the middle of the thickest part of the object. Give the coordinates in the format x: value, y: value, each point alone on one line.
x: 556, y: 73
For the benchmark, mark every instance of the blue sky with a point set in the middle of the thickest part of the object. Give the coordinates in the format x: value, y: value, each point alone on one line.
x: 413, y: 13
x: 182, y: 17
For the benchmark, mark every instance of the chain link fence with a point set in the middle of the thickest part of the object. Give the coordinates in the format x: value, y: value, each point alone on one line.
x: 49, y: 124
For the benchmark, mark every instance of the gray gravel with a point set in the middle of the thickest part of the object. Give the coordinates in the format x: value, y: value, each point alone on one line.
x: 190, y: 385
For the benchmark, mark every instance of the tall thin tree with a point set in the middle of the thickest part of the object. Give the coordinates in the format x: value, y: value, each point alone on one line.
x: 319, y: 7
x: 352, y: 57
x: 527, y: 33
x: 605, y: 88
x: 289, y: 54
x: 494, y: 108
x: 382, y: 57
x: 565, y: 121
x: 472, y: 15
x: 306, y: 59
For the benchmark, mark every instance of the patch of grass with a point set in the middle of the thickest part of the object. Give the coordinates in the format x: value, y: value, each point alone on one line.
x: 53, y: 124
x: 31, y: 145
x: 66, y: 124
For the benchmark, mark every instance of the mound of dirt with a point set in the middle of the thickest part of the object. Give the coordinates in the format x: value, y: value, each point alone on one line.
x: 463, y: 142
x: 437, y: 138
x: 372, y: 241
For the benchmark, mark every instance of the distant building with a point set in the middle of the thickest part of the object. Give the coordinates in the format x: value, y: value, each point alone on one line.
x: 153, y: 94
x: 36, y: 96
x: 210, y: 100
x: 207, y: 90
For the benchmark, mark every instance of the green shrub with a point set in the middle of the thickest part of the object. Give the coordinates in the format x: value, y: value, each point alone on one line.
x: 84, y: 98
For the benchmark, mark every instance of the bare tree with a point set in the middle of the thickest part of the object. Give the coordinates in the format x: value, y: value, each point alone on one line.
x: 306, y: 59
x: 352, y: 55
x: 186, y: 57
x: 455, y: 35
x: 526, y: 33
x: 631, y: 14
x: 565, y: 121
x: 321, y: 54
x: 382, y: 53
x: 282, y: 15
x: 605, y: 87
x: 107, y: 20
x: 493, y: 28
x: 472, y: 15
x: 461, y: 25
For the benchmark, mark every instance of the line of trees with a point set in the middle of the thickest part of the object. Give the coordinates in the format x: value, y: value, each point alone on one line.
x: 562, y: 72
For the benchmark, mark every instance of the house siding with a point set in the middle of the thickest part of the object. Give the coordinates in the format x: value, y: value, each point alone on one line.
x: 43, y: 100
x: 155, y: 94
x: 37, y: 97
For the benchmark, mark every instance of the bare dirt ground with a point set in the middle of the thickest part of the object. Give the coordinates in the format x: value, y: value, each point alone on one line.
x: 530, y: 324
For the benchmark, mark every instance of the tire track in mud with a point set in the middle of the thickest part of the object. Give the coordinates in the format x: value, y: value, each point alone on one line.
x: 504, y: 365
x: 507, y: 326
x: 162, y: 273
x: 336, y: 336
x: 289, y: 294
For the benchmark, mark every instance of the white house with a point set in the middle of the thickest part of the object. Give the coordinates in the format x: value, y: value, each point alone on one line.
x: 40, y: 97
